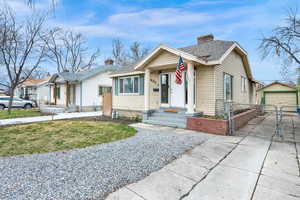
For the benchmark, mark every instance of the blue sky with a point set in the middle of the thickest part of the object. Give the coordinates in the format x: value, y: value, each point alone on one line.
x: 173, y: 22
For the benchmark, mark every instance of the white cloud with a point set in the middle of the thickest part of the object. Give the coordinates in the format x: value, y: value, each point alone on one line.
x: 205, y: 2
x: 161, y: 17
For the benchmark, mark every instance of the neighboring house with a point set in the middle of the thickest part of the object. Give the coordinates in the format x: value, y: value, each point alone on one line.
x: 28, y: 89
x: 215, y: 71
x: 2, y: 92
x: 42, y: 92
x: 82, y: 90
x: 279, y: 94
x: 259, y: 85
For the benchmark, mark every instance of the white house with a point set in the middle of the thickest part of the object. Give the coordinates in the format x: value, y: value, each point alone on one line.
x: 30, y: 88
x: 81, y: 91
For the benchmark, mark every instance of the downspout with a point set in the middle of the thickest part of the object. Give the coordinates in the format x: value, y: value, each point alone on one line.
x: 80, y: 96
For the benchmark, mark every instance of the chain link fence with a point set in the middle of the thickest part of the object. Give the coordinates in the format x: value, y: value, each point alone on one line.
x: 228, y: 110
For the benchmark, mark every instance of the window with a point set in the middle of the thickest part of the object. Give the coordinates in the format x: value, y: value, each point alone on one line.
x: 228, y: 85
x: 103, y: 89
x: 57, y: 92
x: 243, y: 84
x: 129, y: 85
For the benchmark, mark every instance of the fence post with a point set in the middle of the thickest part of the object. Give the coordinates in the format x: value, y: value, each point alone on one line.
x: 229, y: 113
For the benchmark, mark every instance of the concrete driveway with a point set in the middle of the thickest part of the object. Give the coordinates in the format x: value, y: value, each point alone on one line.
x: 254, y: 164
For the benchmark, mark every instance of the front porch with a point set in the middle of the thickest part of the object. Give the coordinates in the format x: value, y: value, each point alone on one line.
x: 162, y: 91
x: 166, y: 102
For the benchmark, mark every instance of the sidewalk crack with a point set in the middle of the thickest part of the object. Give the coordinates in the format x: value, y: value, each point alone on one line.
x: 236, y: 145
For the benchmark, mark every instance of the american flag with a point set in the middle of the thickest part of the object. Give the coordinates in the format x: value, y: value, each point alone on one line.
x: 179, y: 70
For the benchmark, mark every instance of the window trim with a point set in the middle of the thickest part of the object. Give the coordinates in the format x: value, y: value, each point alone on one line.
x: 243, y: 84
x: 133, y: 88
x: 103, y: 86
x: 224, y: 87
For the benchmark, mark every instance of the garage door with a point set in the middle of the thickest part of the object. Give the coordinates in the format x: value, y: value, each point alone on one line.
x: 282, y: 99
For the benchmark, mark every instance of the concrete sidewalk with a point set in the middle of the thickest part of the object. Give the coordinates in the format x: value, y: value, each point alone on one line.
x: 26, y: 120
x: 254, y: 164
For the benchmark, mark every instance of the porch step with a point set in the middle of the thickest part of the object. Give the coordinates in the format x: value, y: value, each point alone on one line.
x: 159, y: 117
x: 165, y: 123
x: 168, y: 115
x: 170, y: 119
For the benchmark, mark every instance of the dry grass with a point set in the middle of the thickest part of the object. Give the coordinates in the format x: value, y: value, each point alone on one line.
x: 59, y: 135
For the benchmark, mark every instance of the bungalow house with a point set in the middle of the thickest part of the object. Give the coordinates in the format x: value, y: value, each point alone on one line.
x: 215, y: 71
x: 279, y: 94
x: 28, y: 89
x: 83, y: 90
x: 2, y: 92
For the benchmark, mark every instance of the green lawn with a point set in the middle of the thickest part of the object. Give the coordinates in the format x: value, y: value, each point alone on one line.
x: 16, y: 113
x: 59, y: 135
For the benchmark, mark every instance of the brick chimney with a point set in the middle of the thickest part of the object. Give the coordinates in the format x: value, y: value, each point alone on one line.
x: 204, y: 38
x: 109, y: 62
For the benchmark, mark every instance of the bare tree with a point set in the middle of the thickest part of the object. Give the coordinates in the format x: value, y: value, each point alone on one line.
x: 31, y: 3
x: 118, y: 52
x: 137, y: 52
x: 39, y: 73
x: 21, y: 48
x: 68, y: 51
x: 122, y: 56
x: 284, y: 42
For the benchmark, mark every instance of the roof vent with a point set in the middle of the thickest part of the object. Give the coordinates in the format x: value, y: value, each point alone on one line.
x: 204, y: 38
x: 109, y: 62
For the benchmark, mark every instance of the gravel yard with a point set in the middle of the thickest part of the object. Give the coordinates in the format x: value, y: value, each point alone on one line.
x: 92, y: 172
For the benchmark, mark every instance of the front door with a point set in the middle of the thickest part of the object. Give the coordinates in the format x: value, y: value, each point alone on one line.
x: 172, y: 94
x: 164, y: 85
x: 177, y: 95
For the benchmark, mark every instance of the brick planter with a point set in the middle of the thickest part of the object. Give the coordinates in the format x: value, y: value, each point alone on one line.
x: 220, y: 126
x: 242, y: 119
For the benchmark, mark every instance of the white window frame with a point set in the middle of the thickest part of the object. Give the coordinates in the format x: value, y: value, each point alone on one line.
x: 243, y: 84
x: 224, y: 86
x: 133, y: 87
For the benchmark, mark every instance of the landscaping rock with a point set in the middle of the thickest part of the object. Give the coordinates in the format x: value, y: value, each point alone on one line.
x: 93, y: 172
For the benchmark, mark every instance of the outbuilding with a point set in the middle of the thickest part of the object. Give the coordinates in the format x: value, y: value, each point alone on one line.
x: 279, y: 94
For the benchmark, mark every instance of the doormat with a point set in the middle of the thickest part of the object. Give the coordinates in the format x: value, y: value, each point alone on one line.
x: 171, y: 111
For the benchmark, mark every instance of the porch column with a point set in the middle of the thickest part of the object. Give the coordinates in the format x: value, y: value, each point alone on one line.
x: 67, y: 93
x: 147, y: 89
x: 190, y: 87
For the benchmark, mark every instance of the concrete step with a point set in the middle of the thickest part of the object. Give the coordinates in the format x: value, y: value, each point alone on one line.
x: 165, y: 123
x: 168, y: 115
x: 171, y: 119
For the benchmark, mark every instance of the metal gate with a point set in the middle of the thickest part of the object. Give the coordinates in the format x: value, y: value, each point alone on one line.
x: 228, y: 111
x: 284, y: 112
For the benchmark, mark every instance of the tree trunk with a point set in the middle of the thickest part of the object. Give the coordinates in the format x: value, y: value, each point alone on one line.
x: 11, y: 96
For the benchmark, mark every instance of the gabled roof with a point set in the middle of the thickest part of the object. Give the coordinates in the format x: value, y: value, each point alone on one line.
x: 80, y: 76
x: 210, y: 50
x: 34, y: 82
x: 277, y: 82
x: 207, y: 53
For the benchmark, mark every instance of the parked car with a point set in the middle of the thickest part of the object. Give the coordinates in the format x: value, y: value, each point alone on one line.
x: 17, y: 103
